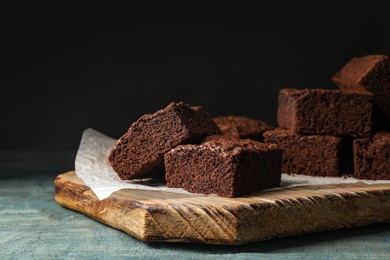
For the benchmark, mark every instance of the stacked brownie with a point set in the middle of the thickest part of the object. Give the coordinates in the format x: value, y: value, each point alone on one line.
x: 370, y: 74
x: 327, y: 132
x: 186, y: 146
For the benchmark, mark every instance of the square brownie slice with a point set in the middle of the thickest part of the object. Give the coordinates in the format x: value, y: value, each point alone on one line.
x: 370, y: 73
x: 225, y: 167
x: 139, y: 153
x: 317, y: 155
x: 325, y: 112
x: 372, y: 157
x: 242, y: 127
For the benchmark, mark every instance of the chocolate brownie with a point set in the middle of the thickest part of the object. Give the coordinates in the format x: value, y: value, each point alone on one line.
x: 325, y: 112
x: 317, y: 155
x: 372, y: 157
x: 224, y: 166
x: 369, y: 73
x: 242, y: 127
x: 139, y: 153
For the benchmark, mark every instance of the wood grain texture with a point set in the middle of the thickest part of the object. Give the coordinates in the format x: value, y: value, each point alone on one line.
x: 157, y: 216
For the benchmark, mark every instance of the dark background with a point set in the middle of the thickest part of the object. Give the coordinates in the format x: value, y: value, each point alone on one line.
x: 65, y: 72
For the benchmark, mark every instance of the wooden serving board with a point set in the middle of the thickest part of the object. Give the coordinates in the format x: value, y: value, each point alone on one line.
x: 159, y: 216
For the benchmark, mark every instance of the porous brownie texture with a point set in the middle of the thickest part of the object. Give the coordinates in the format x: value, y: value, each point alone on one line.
x: 139, y: 153
x: 325, y: 112
x: 370, y: 73
x: 242, y: 127
x: 316, y: 155
x: 225, y: 167
x: 372, y: 157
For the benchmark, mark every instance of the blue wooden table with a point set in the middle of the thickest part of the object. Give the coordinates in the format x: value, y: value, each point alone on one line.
x: 34, y: 226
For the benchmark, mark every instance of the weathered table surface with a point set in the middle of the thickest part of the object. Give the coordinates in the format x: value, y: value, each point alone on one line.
x: 34, y: 226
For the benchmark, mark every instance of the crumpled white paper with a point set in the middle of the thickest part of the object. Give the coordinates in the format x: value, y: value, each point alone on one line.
x: 93, y: 167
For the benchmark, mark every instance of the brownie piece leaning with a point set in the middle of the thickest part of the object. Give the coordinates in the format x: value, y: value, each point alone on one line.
x: 242, y: 127
x: 224, y: 166
x: 139, y: 153
x: 372, y: 157
x: 369, y: 73
x: 325, y: 112
x: 317, y: 155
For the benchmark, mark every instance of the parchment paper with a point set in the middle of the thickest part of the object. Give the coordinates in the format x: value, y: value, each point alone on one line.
x: 93, y: 167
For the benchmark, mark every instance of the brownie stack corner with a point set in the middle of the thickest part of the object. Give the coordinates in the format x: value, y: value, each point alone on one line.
x: 333, y: 132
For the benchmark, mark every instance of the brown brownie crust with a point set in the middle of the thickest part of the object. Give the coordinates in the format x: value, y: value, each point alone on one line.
x: 317, y: 155
x: 372, y: 157
x: 369, y: 73
x: 325, y: 112
x: 139, y: 153
x: 242, y: 127
x: 222, y: 166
